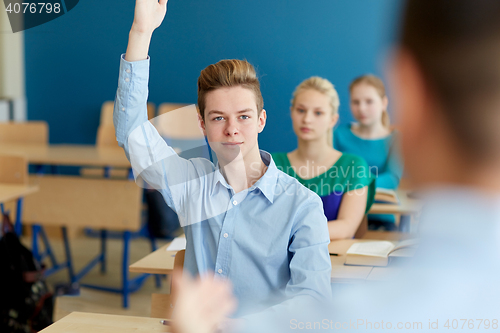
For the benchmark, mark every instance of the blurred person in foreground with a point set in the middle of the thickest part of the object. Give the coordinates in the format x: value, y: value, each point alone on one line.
x: 445, y: 77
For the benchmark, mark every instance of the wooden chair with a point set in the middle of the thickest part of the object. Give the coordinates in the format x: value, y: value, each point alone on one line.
x: 30, y: 132
x: 162, y: 305
x: 178, y: 124
x: 13, y: 170
x: 106, y: 137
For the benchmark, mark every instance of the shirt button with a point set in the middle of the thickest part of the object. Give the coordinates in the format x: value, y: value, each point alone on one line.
x: 226, y: 235
x: 123, y: 109
x: 127, y: 79
x: 219, y: 271
x: 127, y: 70
x: 235, y: 202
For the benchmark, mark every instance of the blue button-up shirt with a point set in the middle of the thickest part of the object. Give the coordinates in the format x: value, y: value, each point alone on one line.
x: 270, y: 240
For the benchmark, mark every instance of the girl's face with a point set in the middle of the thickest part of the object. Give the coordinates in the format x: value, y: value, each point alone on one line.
x: 312, y: 115
x: 367, y: 105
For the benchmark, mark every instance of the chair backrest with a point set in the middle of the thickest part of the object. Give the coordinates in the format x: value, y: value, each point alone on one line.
x: 179, y: 260
x: 13, y: 170
x: 106, y: 136
x: 30, y: 132
x: 107, y: 112
x: 178, y: 124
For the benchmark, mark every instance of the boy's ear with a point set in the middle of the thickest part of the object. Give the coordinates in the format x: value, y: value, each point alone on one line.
x: 262, y: 120
x: 201, y: 124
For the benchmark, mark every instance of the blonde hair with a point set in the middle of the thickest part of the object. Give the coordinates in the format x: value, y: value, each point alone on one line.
x: 379, y: 86
x: 228, y: 73
x: 325, y: 87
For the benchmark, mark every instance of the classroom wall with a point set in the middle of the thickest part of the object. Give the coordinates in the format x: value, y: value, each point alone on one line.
x: 72, y: 62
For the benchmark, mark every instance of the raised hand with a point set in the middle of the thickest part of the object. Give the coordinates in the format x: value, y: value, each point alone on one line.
x: 147, y: 17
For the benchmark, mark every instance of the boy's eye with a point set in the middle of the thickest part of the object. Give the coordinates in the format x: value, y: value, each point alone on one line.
x: 301, y: 110
x: 244, y: 117
x: 217, y: 118
x: 319, y: 113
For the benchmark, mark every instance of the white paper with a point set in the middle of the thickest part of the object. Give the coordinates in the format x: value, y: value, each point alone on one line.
x: 372, y: 249
x: 179, y: 243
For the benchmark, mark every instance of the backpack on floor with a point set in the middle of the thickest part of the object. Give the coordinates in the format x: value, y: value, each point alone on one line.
x: 26, y: 305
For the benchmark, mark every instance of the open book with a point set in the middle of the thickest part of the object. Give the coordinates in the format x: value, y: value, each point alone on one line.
x: 377, y: 253
x: 386, y: 195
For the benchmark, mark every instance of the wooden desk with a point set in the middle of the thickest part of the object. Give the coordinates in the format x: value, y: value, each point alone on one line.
x: 13, y: 192
x: 68, y: 201
x: 73, y: 155
x: 161, y: 261
x: 343, y: 273
x: 9, y: 192
x: 81, y: 322
x: 406, y: 206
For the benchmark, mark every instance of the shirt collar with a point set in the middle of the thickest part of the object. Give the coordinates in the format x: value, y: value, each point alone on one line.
x: 218, y: 178
x: 266, y: 184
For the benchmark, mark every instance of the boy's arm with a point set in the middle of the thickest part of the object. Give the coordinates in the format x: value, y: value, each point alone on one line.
x: 130, y: 110
x: 148, y: 16
x: 148, y: 153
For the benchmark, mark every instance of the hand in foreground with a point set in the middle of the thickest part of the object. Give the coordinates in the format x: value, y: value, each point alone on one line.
x: 202, y: 305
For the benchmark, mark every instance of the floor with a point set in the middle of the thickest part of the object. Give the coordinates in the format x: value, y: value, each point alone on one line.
x: 83, y: 250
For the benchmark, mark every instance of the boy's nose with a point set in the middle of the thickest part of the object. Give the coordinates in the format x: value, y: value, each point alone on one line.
x: 231, y: 128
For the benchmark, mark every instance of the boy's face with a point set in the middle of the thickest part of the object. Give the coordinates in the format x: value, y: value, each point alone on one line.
x: 232, y: 123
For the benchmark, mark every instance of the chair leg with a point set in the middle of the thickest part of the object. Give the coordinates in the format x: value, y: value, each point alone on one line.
x: 67, y: 251
x: 34, y: 242
x: 19, y: 210
x: 125, y: 287
x: 104, y: 235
